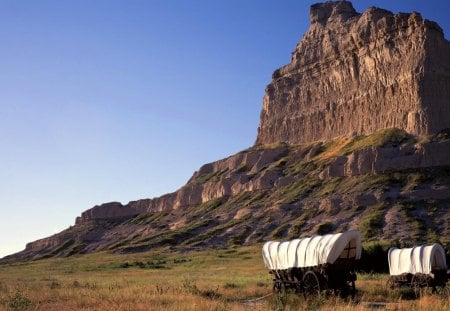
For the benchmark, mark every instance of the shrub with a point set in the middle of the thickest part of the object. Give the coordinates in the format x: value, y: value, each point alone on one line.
x: 190, y: 287
x: 280, y: 232
x: 374, y: 257
x: 230, y: 285
x: 325, y: 228
x: 19, y: 301
x: 211, y: 293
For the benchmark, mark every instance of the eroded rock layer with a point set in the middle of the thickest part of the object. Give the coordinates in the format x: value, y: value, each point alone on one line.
x: 355, y: 74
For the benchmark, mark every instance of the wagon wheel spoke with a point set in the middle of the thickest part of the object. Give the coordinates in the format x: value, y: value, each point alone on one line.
x: 278, y: 287
x: 419, y: 284
x: 351, y: 288
x: 416, y: 285
x: 311, y: 284
x: 297, y: 285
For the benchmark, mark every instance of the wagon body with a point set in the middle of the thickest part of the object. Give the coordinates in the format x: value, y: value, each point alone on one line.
x: 418, y: 267
x: 312, y: 264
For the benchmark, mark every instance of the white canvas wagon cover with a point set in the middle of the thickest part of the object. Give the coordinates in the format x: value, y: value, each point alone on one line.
x: 312, y: 251
x: 419, y: 259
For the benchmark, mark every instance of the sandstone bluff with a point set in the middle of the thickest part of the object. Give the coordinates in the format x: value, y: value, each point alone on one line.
x: 355, y: 74
x: 354, y: 134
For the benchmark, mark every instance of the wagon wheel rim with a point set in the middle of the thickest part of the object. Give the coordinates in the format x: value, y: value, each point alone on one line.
x: 278, y: 287
x: 311, y: 284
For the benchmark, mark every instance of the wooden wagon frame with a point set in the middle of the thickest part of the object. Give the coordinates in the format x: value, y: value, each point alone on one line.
x: 312, y: 265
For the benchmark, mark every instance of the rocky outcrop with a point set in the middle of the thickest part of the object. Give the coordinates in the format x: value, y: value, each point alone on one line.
x: 258, y: 169
x: 112, y: 210
x: 46, y: 243
x: 354, y: 74
x: 375, y: 160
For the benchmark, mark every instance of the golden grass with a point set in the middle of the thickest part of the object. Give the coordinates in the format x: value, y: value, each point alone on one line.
x: 209, y: 280
x: 334, y: 148
x: 345, y: 145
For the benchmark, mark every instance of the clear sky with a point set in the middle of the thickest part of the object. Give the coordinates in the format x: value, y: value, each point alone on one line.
x: 104, y: 100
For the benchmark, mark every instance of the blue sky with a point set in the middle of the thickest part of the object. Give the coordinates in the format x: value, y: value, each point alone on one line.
x: 122, y: 100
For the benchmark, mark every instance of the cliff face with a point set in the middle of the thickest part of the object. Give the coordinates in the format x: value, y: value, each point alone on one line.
x: 354, y: 74
x: 248, y: 171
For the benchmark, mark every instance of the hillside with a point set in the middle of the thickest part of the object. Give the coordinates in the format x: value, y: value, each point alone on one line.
x: 327, y: 157
x: 388, y: 185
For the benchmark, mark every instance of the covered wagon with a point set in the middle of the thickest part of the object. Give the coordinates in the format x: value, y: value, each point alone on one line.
x: 419, y: 267
x: 313, y: 264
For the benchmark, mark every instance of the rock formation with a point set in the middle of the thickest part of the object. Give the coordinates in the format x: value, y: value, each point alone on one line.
x: 112, y: 210
x: 382, y: 76
x: 354, y: 74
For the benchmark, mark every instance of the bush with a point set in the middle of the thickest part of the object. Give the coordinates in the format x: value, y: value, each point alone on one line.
x: 325, y: 228
x: 374, y: 257
x: 230, y: 285
x: 19, y: 301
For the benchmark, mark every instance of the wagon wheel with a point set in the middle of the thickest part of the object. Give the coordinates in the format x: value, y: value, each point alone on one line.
x: 311, y: 284
x: 419, y: 283
x: 278, y: 287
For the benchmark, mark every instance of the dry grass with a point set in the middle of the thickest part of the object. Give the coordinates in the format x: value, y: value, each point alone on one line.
x: 346, y: 145
x: 334, y: 148
x: 210, y: 280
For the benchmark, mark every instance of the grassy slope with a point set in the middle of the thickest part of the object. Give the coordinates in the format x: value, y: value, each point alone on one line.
x: 226, y: 279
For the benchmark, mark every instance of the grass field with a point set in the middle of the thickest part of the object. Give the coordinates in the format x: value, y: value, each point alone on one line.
x: 228, y: 279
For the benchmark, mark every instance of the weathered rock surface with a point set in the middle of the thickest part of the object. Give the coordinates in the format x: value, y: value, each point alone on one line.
x: 112, y: 210
x: 375, y: 160
x: 354, y: 74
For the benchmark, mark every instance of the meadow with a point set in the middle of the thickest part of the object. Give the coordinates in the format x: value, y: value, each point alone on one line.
x: 226, y: 279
